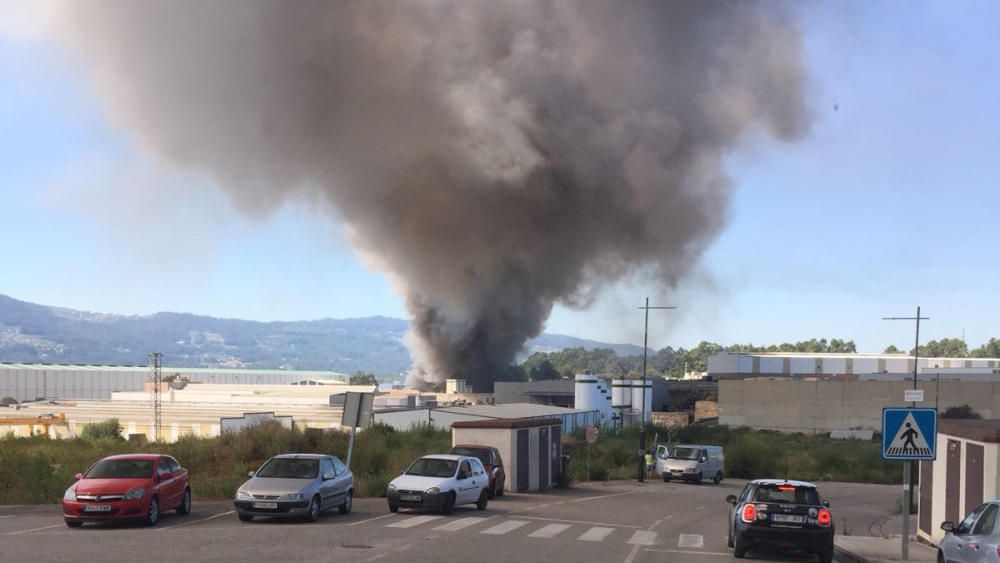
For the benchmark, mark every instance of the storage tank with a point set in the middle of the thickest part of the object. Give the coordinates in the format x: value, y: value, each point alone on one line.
x: 637, y: 398
x: 621, y: 393
x: 587, y: 396
x: 605, y: 400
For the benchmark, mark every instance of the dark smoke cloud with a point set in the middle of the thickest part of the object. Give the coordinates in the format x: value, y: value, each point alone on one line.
x: 493, y: 158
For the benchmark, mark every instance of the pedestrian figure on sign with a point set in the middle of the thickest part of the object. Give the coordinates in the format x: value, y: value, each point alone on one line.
x: 908, y: 435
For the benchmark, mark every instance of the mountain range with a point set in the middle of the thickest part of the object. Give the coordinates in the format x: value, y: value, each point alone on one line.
x: 42, y: 334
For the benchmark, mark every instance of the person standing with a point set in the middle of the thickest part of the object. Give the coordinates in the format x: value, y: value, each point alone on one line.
x: 650, y: 464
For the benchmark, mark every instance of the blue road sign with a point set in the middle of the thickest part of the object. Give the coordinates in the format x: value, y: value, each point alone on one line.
x: 909, y: 434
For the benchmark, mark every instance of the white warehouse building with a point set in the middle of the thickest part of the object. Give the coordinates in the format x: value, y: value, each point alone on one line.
x: 738, y: 365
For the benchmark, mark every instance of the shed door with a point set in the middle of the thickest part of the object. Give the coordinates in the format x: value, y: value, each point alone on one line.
x: 952, y: 480
x: 926, y: 496
x: 522, y: 460
x: 973, y: 475
x: 543, y: 458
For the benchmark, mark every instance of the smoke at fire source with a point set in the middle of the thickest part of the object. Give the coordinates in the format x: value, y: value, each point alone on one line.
x: 492, y: 158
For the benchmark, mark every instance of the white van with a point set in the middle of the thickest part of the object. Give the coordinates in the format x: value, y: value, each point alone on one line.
x: 691, y: 463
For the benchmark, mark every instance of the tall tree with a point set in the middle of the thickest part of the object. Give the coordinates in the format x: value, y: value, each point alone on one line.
x: 944, y: 348
x: 990, y: 349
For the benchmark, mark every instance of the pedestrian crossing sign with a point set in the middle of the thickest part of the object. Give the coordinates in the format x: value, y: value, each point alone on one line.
x: 909, y: 434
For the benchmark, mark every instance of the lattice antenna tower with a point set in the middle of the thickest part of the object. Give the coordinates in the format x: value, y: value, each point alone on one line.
x: 156, y: 376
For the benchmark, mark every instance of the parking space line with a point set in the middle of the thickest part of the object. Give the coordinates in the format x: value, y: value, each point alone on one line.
x: 544, y: 519
x: 371, y: 519
x: 643, y: 537
x: 456, y: 525
x: 549, y: 531
x: 505, y: 527
x: 35, y: 529
x: 596, y: 533
x: 686, y: 552
x: 695, y: 541
x: 411, y: 522
x: 601, y: 497
x: 206, y: 519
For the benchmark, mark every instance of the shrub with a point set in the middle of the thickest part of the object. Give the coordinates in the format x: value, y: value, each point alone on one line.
x: 963, y: 411
x: 8, y: 401
x: 109, y: 429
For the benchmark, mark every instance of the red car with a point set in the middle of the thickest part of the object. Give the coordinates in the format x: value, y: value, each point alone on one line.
x: 128, y: 487
x: 490, y: 457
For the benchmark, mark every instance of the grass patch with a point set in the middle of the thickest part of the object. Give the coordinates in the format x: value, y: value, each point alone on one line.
x: 38, y: 470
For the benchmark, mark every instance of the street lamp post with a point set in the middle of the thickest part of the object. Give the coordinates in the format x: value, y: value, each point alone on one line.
x: 642, y: 411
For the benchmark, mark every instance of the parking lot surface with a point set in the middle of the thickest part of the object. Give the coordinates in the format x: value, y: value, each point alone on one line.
x: 618, y: 521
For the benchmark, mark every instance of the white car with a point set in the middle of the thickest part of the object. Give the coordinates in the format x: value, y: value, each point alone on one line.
x: 440, y: 482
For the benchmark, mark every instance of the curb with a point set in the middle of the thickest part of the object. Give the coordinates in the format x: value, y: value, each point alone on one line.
x: 845, y: 556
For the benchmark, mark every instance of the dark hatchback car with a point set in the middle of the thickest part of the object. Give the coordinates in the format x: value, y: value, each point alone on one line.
x: 490, y: 458
x: 780, y: 514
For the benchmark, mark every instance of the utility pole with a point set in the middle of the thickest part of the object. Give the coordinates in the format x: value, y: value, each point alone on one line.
x: 908, y: 465
x: 155, y: 365
x: 642, y: 416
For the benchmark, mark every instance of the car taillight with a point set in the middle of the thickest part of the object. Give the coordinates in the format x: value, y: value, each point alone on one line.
x: 824, y: 517
x: 749, y: 512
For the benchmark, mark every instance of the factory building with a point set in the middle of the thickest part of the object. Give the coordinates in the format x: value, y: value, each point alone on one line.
x: 29, y: 382
x: 738, y: 365
x: 444, y: 417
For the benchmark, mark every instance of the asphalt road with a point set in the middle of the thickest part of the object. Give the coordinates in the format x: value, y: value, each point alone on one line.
x: 616, y: 522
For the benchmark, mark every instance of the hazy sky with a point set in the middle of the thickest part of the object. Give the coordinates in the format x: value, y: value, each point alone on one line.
x: 891, y: 201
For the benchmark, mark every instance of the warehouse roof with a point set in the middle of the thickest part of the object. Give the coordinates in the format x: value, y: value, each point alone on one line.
x: 167, y: 370
x: 978, y: 430
x: 506, y: 410
x: 508, y: 423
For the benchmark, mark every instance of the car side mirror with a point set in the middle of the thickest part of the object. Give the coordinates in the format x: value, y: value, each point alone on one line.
x: 826, y: 504
x: 948, y: 527
x: 731, y: 499
x: 328, y: 476
x: 250, y: 473
x: 78, y: 476
x: 703, y: 459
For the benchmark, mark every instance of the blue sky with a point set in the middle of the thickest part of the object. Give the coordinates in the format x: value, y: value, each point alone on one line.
x: 890, y: 202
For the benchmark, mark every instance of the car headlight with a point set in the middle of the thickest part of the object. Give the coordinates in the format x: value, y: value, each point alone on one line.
x: 292, y: 496
x: 70, y: 494
x: 243, y: 495
x: 135, y: 493
x: 433, y: 491
x: 392, y: 488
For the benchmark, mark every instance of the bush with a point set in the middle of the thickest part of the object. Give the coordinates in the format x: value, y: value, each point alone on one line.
x: 109, y: 429
x: 963, y: 411
x: 8, y: 401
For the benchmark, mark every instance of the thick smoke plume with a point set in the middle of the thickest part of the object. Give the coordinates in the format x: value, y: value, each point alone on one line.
x: 493, y: 158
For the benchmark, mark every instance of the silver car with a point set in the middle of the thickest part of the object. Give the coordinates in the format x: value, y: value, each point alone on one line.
x: 975, y: 539
x: 296, y: 485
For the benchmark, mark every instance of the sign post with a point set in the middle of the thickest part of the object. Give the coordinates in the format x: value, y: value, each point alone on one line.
x: 357, y: 412
x: 592, y: 433
x: 908, y: 435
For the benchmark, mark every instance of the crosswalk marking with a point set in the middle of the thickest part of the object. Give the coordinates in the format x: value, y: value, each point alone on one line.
x: 691, y: 541
x: 643, y: 537
x: 411, y: 522
x: 504, y: 527
x: 550, y: 531
x: 596, y: 534
x: 456, y: 525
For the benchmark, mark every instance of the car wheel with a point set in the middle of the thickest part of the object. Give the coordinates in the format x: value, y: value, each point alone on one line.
x: 718, y: 478
x: 246, y: 517
x: 739, y: 548
x: 153, y: 516
x: 393, y: 508
x: 491, y: 491
x: 185, y: 508
x: 449, y: 504
x: 483, y: 500
x: 348, y: 504
x: 697, y: 480
x: 500, y: 489
x: 314, y: 509
x: 666, y: 478
x: 74, y: 523
x: 729, y: 538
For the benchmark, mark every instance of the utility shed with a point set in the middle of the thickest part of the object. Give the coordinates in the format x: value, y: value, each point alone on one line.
x: 531, y: 448
x: 963, y: 476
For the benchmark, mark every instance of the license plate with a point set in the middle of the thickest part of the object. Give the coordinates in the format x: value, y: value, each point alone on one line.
x: 97, y: 508
x: 266, y: 505
x: 410, y: 498
x: 790, y: 518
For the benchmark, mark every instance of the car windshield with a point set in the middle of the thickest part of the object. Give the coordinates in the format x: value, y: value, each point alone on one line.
x: 431, y: 467
x: 478, y: 453
x: 289, y: 468
x: 121, y: 469
x: 685, y: 453
x: 786, y: 493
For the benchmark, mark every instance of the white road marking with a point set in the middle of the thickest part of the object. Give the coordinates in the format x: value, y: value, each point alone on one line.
x: 35, y: 529
x: 643, y: 537
x: 685, y: 552
x: 600, y: 497
x: 411, y: 522
x: 544, y: 519
x: 691, y: 541
x: 8, y: 516
x: 550, y: 531
x: 456, y: 525
x: 505, y: 527
x: 212, y: 517
x: 371, y: 519
x: 596, y: 534
x: 635, y: 547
